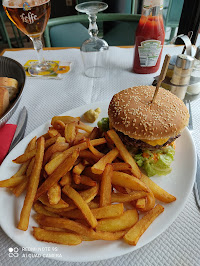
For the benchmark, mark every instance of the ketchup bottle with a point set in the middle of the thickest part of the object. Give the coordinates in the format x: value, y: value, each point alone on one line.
x: 149, y: 38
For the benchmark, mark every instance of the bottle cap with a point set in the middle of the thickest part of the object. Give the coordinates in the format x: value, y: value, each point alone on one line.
x: 184, y: 61
x: 197, y: 55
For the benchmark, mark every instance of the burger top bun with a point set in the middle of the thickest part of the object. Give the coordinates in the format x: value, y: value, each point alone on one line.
x: 131, y: 112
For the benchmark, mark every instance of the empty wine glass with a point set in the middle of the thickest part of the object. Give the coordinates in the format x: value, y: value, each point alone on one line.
x: 31, y: 17
x: 94, y: 50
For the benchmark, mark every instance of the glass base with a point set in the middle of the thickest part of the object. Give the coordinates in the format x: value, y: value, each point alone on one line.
x: 45, y: 68
x: 95, y: 72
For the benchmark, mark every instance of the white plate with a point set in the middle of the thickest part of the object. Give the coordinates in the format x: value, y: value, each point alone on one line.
x: 179, y: 183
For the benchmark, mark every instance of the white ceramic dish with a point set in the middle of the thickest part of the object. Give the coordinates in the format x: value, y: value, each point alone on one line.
x: 179, y: 183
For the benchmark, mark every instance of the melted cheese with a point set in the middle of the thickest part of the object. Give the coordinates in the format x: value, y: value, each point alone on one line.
x: 155, y: 142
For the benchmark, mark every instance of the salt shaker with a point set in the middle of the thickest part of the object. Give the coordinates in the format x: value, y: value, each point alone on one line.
x: 194, y: 86
x: 181, y: 75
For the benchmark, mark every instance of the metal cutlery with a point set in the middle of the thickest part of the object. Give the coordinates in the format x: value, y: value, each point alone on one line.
x: 196, y: 187
x: 20, y: 130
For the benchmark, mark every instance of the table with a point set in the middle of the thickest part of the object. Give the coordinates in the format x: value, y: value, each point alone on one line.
x: 179, y: 244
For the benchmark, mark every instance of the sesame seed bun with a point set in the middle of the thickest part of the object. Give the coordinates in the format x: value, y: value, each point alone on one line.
x: 131, y: 112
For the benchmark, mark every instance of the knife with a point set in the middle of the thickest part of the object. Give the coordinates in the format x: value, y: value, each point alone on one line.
x: 20, y: 130
x: 197, y: 183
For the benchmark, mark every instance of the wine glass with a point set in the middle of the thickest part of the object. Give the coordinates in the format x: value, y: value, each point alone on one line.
x: 31, y: 17
x: 94, y: 50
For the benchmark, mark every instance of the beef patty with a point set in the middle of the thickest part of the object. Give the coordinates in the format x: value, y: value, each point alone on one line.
x: 136, y: 144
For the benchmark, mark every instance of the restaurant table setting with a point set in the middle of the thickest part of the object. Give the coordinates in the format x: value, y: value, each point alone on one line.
x: 45, y: 98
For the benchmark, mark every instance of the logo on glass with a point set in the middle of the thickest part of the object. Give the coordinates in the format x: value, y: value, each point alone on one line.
x: 26, y: 6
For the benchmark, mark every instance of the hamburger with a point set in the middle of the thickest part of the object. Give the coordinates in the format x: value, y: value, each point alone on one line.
x: 148, y: 129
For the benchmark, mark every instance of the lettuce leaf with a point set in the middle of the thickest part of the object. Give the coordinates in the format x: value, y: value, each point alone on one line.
x: 103, y: 124
x: 156, y: 162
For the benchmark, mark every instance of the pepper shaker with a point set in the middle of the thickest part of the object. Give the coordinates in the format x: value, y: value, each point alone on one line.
x: 181, y: 75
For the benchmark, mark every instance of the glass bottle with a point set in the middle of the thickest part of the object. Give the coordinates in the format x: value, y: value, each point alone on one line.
x: 149, y: 38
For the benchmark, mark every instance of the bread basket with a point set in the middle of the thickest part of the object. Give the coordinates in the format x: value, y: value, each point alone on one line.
x: 12, y: 69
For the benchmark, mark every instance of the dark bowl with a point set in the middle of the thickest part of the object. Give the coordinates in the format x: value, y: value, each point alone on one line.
x: 12, y: 69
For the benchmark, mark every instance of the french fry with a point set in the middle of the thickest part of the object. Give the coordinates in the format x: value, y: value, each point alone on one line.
x: 59, y: 172
x: 109, y: 236
x: 89, y: 156
x: 25, y: 157
x: 53, y: 164
x: 95, y: 133
x: 94, y: 150
x: 81, y: 137
x: 64, y: 119
x: 120, y: 197
x: 85, y: 180
x: 78, y: 169
x: 87, y: 195
x: 121, y: 166
x: 31, y: 146
x: 54, y: 194
x: 13, y: 181
x: 76, y: 178
x: 60, y: 205
x: 133, y: 235
x: 81, y: 204
x: 99, y: 167
x: 30, y: 167
x: 124, y: 152
x: 123, y: 222
x: 159, y: 193
x: 64, y: 223
x: 128, y: 181
x: 39, y: 208
x: 60, y: 139
x: 57, y: 147
x: 17, y: 190
x: 59, y: 125
x: 53, y: 132
x: 140, y: 203
x: 32, y: 186
x: 99, y: 213
x: 70, y: 132
x: 88, y: 172
x: 105, y: 188
x: 66, y: 179
x: 56, y: 237
x: 25, y: 168
x: 50, y: 141
x: 49, y: 228
x: 149, y: 202
x: 120, y: 189
x: 31, y: 153
x: 81, y: 125
x: 94, y: 204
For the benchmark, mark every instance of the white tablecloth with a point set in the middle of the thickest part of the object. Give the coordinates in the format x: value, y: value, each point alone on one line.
x: 180, y: 243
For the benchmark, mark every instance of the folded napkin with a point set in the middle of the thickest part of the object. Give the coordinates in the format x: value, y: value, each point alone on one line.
x: 6, y: 135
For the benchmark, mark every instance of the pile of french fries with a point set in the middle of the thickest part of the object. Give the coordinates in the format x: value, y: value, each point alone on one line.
x: 84, y: 185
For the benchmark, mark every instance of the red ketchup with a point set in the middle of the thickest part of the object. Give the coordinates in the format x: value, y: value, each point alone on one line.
x: 149, y: 39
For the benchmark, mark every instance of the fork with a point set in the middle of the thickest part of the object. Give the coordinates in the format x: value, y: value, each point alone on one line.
x: 190, y: 124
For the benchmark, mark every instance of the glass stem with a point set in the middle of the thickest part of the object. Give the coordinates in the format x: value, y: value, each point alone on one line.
x: 37, y: 43
x: 93, y: 29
